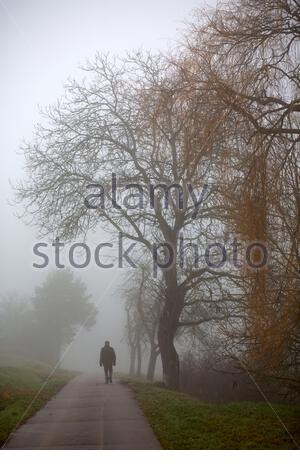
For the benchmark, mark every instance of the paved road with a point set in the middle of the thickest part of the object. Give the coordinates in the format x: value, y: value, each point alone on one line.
x: 87, y: 414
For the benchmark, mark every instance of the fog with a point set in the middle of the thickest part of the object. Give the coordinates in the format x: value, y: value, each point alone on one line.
x: 42, y: 44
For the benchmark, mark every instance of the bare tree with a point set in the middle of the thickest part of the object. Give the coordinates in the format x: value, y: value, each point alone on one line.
x: 134, y: 340
x: 248, y: 53
x: 136, y: 116
x: 246, y: 56
x: 144, y: 300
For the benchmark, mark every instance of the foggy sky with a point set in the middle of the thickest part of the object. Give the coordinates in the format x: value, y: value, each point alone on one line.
x: 42, y: 43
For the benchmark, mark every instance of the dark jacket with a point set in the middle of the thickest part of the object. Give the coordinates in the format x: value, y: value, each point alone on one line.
x: 107, y: 356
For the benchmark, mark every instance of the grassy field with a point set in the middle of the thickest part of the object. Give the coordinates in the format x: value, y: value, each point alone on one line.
x: 181, y: 421
x: 18, y: 387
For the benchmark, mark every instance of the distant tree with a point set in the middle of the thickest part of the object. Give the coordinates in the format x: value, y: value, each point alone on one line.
x: 60, y: 306
x: 134, y: 338
x: 16, y: 325
x: 143, y: 299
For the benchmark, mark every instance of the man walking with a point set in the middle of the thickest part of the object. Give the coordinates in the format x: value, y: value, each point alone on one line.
x: 107, y: 360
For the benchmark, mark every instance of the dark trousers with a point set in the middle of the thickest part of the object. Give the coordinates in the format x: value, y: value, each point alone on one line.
x: 108, y: 372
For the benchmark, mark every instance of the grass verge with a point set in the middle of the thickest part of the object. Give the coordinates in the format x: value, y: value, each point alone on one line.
x: 181, y: 421
x: 18, y: 386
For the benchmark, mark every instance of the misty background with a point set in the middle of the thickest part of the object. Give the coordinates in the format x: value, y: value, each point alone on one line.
x: 42, y: 44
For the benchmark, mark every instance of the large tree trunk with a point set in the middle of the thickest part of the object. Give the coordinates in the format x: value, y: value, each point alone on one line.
x: 169, y: 356
x: 132, y: 360
x: 139, y: 359
x: 167, y: 328
x: 152, y: 363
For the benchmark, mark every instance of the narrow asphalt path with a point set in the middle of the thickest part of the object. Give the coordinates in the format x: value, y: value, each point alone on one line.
x: 87, y: 414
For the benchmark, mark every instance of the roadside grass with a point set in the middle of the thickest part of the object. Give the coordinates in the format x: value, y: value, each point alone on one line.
x: 181, y: 421
x: 18, y: 387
